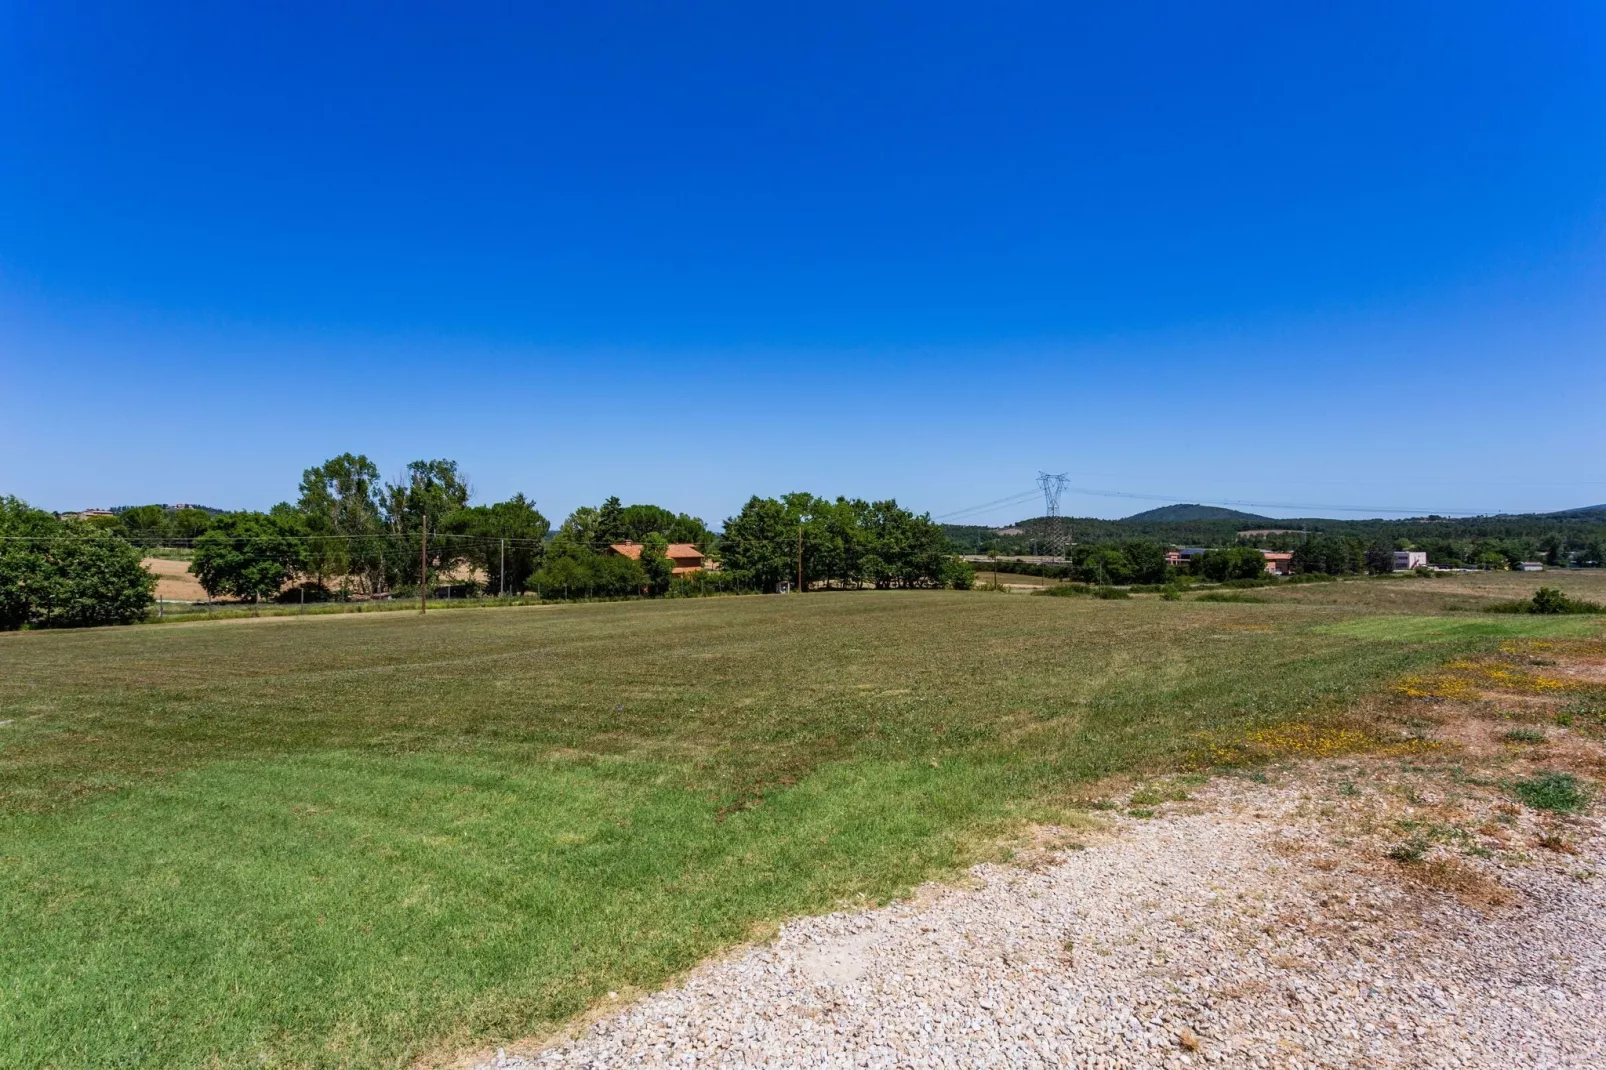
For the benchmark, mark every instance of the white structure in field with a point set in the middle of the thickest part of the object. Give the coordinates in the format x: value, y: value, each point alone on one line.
x: 1406, y: 560
x: 1530, y: 566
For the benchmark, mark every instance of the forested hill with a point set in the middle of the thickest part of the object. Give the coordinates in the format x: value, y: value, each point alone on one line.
x: 1186, y: 513
x: 1573, y: 527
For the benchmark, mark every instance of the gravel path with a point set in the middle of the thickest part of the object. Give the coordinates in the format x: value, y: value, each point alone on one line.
x: 1254, y: 926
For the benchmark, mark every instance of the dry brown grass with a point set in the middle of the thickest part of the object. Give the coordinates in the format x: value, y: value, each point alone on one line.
x: 1469, y: 886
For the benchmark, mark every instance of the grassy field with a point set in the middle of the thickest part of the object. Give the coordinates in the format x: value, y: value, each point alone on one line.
x: 350, y: 841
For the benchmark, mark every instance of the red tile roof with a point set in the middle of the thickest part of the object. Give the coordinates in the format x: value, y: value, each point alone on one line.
x: 677, y: 551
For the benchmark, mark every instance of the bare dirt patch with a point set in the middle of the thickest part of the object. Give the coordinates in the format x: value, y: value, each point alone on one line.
x: 173, y: 580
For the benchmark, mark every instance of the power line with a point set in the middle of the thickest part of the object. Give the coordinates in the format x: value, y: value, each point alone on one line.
x: 1013, y: 499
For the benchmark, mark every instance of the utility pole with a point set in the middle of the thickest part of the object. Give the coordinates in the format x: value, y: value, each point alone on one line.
x: 800, y: 557
x: 502, y: 572
x: 423, y: 567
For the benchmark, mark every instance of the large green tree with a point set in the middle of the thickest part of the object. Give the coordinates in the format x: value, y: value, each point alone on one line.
x: 639, y: 521
x: 428, y: 489
x: 341, y: 504
x: 846, y: 542
x: 61, y: 574
x: 761, y: 540
x: 249, y: 555
x: 506, y: 537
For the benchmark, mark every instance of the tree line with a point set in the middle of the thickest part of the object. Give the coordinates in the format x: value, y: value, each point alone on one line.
x: 1475, y: 542
x: 350, y: 533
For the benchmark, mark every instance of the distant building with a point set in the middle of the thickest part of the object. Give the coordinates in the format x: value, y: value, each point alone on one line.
x: 1009, y: 531
x: 1279, y: 562
x: 1530, y: 566
x: 1406, y: 560
x: 88, y: 514
x: 686, y: 557
x: 1183, y: 555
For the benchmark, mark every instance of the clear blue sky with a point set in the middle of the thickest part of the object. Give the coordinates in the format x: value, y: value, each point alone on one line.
x: 1316, y: 254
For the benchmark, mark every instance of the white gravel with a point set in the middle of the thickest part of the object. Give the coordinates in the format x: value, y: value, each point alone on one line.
x: 1259, y: 926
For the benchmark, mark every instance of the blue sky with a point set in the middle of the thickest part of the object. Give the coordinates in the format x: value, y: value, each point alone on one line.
x: 1324, y: 255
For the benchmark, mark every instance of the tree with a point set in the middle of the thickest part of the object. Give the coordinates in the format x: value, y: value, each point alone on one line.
x: 655, y: 562
x: 1232, y: 563
x: 1147, y: 560
x: 573, y: 571
x: 761, y: 540
x: 610, y: 527
x: 340, y: 504
x: 1336, y: 555
x: 641, y: 520
x: 430, y: 489
x: 56, y: 573
x: 1105, y: 565
x: 89, y: 578
x: 189, y: 523
x: 563, y: 575
x: 248, y: 555
x: 850, y: 541
x: 144, y: 525
x: 510, y: 532
x: 579, y: 529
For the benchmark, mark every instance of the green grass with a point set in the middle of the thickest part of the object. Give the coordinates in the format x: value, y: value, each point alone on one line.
x: 1411, y: 629
x: 346, y: 841
x: 1560, y: 792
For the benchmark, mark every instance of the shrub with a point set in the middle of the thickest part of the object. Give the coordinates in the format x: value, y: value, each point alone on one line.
x: 1065, y: 590
x: 1312, y: 577
x: 1560, y: 792
x: 1227, y: 596
x: 705, y: 583
x: 1110, y: 592
x: 1410, y: 851
x: 1547, y: 600
x: 1525, y: 735
x: 958, y: 574
x: 306, y: 591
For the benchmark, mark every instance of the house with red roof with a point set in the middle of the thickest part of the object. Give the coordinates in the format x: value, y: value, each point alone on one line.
x: 686, y: 557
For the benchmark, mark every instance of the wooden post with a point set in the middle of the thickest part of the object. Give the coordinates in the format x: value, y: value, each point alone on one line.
x: 423, y: 567
x: 502, y: 572
x: 800, y: 557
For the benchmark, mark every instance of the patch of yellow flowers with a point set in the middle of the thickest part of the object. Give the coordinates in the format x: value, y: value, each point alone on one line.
x: 1461, y: 680
x: 1303, y: 740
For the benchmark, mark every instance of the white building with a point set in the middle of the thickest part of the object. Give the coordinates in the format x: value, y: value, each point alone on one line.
x: 1530, y: 566
x: 1406, y: 560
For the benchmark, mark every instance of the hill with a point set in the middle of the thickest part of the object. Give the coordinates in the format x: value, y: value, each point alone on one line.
x: 1169, y: 514
x: 1589, y: 511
